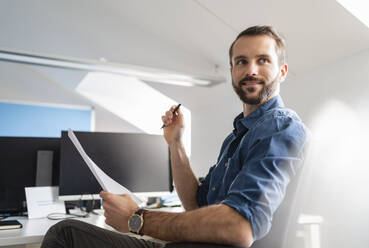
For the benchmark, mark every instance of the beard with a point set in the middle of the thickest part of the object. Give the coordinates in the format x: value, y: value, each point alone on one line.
x: 263, y: 95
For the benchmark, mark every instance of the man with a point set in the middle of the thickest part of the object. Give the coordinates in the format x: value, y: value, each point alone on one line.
x: 235, y: 203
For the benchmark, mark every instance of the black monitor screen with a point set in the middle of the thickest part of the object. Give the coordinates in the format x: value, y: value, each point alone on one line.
x: 18, y: 163
x: 140, y: 162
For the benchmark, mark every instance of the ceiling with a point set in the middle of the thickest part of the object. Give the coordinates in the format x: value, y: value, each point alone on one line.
x: 190, y: 36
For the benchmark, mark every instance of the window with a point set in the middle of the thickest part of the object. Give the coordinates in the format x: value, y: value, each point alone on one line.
x: 43, y: 120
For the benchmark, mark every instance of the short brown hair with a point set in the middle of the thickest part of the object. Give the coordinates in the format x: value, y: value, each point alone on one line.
x: 263, y: 30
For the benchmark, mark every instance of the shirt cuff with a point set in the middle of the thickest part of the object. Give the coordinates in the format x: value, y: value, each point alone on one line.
x: 259, y: 229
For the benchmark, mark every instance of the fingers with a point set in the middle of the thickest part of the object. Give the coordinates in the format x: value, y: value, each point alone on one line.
x: 172, y: 108
x: 179, y: 112
x: 104, y: 195
x: 168, y: 117
x: 111, y: 201
x: 109, y: 208
x: 124, y: 195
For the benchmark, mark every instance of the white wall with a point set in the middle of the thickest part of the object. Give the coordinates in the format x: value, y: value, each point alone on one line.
x: 346, y: 80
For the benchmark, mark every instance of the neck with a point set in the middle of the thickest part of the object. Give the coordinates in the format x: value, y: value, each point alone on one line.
x: 249, y: 108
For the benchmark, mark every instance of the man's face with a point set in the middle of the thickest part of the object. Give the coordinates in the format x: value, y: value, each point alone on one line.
x: 256, y: 73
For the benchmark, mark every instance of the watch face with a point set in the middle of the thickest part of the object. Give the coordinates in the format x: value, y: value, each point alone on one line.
x: 135, y: 223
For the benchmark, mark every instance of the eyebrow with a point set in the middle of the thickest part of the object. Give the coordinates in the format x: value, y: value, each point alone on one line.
x: 263, y: 56
x: 258, y: 56
x: 239, y: 57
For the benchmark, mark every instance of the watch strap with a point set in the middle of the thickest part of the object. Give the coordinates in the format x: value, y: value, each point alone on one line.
x: 140, y: 211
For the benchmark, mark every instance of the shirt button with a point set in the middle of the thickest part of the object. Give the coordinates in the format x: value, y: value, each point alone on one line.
x: 213, y: 188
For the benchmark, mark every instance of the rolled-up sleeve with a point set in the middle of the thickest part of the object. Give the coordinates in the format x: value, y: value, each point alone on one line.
x: 273, y: 157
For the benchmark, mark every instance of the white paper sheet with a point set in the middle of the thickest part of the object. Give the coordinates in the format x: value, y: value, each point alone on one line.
x: 106, y: 182
x: 42, y: 201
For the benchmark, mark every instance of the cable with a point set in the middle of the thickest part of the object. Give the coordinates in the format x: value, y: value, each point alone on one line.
x: 68, y: 215
x: 62, y: 216
x: 93, y: 210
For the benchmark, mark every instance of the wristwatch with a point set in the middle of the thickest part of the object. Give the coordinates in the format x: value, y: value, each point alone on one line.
x: 136, y: 221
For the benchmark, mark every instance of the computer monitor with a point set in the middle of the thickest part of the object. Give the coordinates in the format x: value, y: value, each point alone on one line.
x: 140, y: 162
x: 18, y: 164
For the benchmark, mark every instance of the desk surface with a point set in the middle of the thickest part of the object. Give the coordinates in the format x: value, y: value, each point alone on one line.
x: 34, y: 230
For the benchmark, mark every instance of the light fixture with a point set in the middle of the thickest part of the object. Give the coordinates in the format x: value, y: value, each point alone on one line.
x: 142, y: 73
x: 358, y: 8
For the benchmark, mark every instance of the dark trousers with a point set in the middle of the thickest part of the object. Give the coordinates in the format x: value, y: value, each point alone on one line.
x: 75, y: 234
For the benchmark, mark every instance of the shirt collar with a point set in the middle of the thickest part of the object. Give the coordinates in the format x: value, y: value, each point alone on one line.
x: 242, y: 123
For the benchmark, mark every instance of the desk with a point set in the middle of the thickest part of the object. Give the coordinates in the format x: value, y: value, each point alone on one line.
x: 34, y: 230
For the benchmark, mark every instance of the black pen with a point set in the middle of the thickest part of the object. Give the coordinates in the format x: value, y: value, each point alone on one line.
x: 174, y: 111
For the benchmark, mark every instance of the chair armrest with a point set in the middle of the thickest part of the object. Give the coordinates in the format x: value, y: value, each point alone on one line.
x: 311, y: 230
x: 306, y: 219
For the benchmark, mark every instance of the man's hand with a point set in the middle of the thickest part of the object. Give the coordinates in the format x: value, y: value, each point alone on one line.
x: 174, y: 125
x: 118, y: 209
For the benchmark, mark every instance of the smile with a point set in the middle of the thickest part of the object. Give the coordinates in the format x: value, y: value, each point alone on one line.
x: 250, y: 83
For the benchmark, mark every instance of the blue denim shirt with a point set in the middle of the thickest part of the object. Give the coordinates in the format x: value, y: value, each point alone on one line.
x: 253, y: 179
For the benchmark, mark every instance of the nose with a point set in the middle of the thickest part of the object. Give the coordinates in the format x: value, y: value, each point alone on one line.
x: 251, y: 69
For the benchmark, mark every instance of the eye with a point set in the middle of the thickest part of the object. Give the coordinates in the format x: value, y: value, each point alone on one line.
x: 263, y: 60
x: 241, y: 62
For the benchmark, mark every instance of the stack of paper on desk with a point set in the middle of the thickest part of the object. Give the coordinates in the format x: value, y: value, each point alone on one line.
x: 106, y: 182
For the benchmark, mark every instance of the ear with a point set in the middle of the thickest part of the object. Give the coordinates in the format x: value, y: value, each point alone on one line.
x: 283, y: 72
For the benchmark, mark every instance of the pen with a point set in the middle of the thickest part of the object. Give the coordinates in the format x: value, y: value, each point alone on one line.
x: 174, y: 111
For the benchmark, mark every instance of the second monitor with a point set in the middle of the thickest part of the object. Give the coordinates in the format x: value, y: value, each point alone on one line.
x: 140, y: 162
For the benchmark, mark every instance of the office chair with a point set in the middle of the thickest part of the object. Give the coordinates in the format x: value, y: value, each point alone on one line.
x: 286, y: 231
x: 283, y: 219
